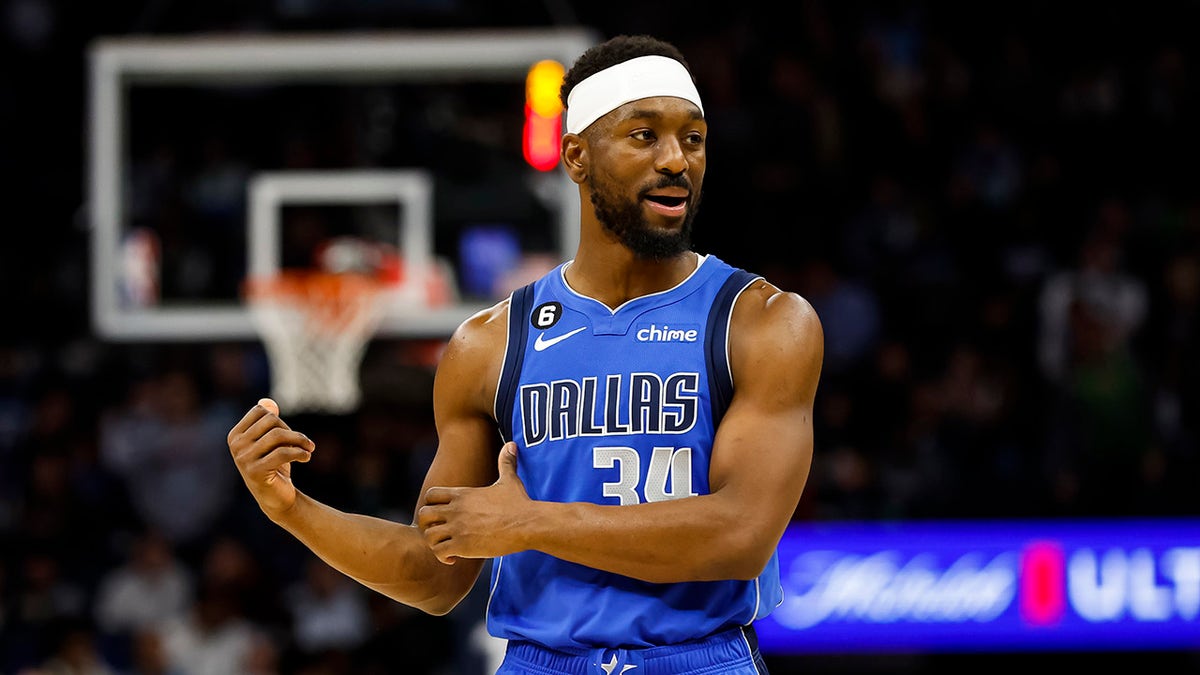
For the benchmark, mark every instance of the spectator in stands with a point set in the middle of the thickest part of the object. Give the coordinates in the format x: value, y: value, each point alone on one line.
x: 215, y: 638
x: 164, y: 442
x: 150, y: 588
x: 1099, y: 423
x: 75, y: 653
x: 329, y: 611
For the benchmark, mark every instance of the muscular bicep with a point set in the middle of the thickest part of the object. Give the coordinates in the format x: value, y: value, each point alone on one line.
x: 466, y: 456
x: 764, y: 445
x: 463, y: 391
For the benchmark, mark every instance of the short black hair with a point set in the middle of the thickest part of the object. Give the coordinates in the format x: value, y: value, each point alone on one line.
x: 613, y: 51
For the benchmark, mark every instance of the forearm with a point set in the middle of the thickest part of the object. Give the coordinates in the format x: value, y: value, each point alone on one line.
x: 691, y: 539
x: 386, y: 556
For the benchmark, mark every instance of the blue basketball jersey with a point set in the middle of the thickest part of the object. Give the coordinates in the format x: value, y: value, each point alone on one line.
x: 617, y: 407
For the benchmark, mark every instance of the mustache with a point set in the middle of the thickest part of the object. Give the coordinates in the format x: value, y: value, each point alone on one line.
x: 678, y: 181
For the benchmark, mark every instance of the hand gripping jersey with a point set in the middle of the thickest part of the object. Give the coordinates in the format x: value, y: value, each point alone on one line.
x: 617, y: 407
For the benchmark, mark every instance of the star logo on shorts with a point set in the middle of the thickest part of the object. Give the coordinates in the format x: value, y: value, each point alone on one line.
x: 609, y: 667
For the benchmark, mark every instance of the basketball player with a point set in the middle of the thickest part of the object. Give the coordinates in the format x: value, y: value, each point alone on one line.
x: 655, y: 406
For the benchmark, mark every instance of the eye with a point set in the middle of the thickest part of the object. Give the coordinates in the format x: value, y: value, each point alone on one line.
x: 643, y: 135
x: 695, y: 138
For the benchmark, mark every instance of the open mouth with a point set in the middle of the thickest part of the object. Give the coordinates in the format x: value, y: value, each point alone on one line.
x: 669, y: 202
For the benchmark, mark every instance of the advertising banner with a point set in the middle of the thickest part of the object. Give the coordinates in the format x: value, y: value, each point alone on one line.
x: 987, y: 586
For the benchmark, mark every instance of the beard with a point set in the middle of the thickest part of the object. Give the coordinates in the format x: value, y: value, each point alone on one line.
x: 625, y: 220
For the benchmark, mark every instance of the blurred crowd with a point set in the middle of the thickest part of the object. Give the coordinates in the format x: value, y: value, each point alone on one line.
x: 992, y: 207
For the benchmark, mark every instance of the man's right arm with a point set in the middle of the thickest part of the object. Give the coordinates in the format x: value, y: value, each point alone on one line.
x: 389, y: 557
x: 383, y: 555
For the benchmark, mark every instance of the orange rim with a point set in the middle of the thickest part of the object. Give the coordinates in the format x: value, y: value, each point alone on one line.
x: 331, y: 299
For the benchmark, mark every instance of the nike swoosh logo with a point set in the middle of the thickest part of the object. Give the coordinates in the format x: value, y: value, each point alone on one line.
x: 540, y: 343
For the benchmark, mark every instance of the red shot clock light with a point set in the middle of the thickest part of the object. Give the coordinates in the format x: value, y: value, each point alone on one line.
x: 543, y: 114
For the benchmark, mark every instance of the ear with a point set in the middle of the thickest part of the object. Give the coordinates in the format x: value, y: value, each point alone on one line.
x: 574, y: 157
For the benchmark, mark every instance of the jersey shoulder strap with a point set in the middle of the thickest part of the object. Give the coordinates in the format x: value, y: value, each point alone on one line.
x: 519, y: 305
x: 720, y: 376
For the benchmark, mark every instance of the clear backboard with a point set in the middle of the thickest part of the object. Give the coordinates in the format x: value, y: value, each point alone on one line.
x: 214, y: 158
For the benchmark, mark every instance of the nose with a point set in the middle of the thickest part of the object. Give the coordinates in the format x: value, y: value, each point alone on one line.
x: 671, y: 158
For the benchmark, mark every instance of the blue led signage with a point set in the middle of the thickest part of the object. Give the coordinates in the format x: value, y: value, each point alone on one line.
x: 987, y: 586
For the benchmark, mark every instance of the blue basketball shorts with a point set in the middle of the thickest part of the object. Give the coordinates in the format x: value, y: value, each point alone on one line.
x: 731, y: 652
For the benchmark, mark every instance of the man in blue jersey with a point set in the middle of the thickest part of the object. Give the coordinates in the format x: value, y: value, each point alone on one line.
x: 626, y: 439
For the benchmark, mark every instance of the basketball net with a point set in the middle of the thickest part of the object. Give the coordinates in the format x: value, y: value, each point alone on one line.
x: 315, y: 325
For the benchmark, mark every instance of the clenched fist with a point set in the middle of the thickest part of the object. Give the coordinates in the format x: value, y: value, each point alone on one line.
x: 263, y: 449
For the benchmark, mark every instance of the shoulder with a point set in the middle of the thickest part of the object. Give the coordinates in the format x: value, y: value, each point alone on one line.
x: 776, y: 328
x: 486, y: 332
x: 481, y: 334
x: 474, y: 355
x: 764, y: 307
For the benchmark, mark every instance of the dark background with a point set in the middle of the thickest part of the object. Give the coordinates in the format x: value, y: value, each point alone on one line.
x: 992, y: 205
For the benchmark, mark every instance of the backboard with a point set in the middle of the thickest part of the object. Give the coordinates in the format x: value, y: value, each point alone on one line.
x: 205, y: 150
x: 410, y: 189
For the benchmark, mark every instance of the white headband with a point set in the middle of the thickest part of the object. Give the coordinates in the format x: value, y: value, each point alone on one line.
x: 645, y: 76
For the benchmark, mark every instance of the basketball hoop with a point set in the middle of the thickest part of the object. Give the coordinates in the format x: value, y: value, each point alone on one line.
x: 315, y: 325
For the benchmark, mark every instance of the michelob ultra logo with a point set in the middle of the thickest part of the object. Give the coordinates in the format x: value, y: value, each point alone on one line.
x: 991, y: 586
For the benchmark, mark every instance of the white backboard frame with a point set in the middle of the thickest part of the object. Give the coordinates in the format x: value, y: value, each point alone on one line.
x: 411, y: 189
x: 118, y: 63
